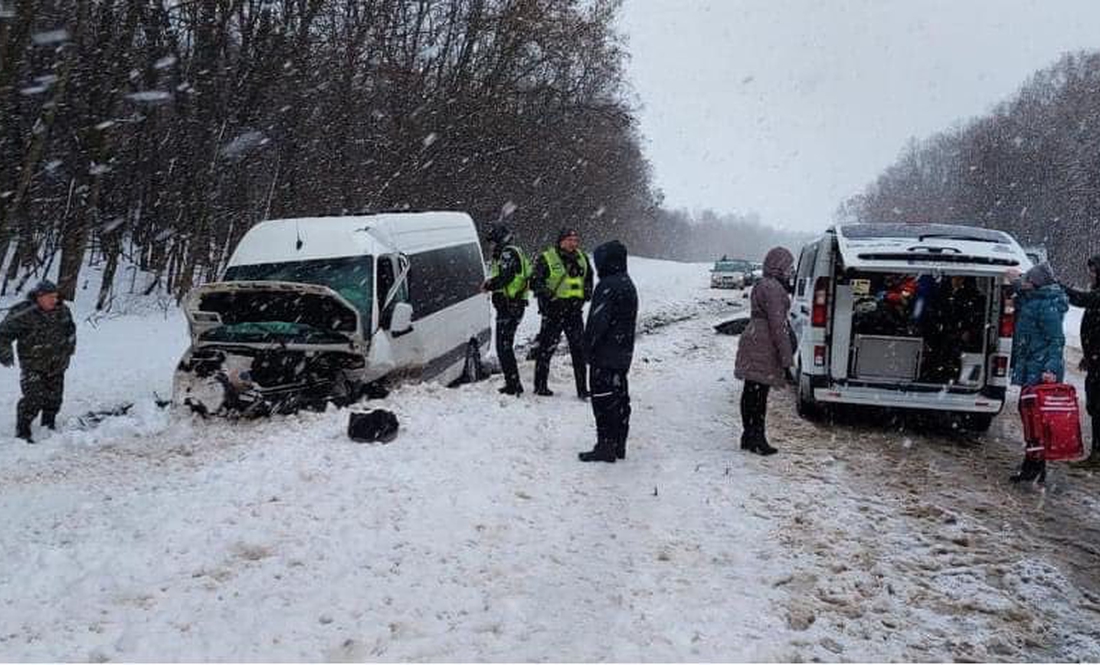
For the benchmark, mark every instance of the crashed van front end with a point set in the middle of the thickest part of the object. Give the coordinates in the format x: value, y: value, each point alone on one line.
x: 262, y: 348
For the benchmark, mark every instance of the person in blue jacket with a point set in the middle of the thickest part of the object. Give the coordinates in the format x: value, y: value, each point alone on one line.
x: 1038, y: 344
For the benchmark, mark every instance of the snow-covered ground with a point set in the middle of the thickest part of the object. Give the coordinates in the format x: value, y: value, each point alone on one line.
x: 476, y: 535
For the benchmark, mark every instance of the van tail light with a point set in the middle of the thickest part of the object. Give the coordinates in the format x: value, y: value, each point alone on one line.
x: 819, y: 356
x: 1000, y: 366
x: 1008, y: 314
x: 821, y: 302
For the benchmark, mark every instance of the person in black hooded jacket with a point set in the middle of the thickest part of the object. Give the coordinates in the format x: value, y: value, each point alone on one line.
x: 1090, y: 346
x: 609, y: 346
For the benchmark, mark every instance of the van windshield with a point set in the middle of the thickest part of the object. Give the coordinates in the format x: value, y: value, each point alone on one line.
x: 272, y: 331
x: 350, y: 276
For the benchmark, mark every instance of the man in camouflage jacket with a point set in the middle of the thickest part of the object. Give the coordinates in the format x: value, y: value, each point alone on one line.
x: 45, y: 337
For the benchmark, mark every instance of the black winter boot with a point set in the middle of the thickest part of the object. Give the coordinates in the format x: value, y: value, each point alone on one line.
x: 23, y: 431
x: 516, y: 390
x: 620, y: 450
x: 598, y: 454
x: 754, y: 440
x: 764, y: 448
x: 1090, y: 462
x: 542, y: 378
x: 49, y: 420
x: 1032, y: 470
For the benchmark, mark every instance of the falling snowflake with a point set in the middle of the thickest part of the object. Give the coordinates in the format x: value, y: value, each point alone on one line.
x: 50, y: 37
x: 149, y: 96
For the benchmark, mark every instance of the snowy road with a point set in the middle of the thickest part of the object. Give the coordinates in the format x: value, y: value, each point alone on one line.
x: 477, y: 535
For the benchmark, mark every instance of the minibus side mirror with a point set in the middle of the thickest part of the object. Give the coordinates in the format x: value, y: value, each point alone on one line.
x: 401, y: 323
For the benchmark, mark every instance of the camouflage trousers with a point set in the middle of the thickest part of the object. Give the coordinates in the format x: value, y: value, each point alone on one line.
x: 42, y: 393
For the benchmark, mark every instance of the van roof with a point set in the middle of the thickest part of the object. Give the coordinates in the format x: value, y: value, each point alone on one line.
x: 928, y: 247
x: 277, y: 240
x: 922, y: 231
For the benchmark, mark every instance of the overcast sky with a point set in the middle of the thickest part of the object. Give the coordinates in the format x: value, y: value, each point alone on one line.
x: 787, y: 107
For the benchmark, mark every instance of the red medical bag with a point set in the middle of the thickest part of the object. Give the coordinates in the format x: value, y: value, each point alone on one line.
x: 1052, y: 422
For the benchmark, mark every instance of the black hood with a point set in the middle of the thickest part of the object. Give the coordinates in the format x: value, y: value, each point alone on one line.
x: 610, y: 258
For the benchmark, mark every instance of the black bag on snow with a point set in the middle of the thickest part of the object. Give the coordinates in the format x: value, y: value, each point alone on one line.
x: 374, y: 425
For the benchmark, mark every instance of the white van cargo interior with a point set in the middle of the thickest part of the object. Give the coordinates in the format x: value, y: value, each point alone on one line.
x: 310, y: 311
x: 907, y: 316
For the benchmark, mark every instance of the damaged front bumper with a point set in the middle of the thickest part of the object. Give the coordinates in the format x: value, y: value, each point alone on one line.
x: 255, y: 382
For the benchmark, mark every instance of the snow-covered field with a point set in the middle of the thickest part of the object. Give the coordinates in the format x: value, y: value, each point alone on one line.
x: 476, y: 535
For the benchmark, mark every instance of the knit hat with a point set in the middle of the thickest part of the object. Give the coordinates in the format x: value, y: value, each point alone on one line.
x: 42, y: 288
x: 567, y: 231
x: 499, y: 234
x: 1041, y: 275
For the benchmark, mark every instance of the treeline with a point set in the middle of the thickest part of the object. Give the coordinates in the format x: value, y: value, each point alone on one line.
x: 155, y: 132
x: 1031, y: 167
x: 707, y: 235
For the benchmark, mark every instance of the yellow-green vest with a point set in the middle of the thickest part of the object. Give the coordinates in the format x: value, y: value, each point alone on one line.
x: 517, y: 288
x: 559, y: 283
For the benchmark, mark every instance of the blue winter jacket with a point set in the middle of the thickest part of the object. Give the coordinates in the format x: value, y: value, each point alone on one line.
x: 1039, y: 339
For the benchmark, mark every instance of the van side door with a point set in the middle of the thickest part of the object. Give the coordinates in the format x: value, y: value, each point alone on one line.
x: 393, y: 289
x: 803, y: 291
x: 393, y: 286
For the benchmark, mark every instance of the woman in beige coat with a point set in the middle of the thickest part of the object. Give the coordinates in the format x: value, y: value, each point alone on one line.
x: 764, y: 355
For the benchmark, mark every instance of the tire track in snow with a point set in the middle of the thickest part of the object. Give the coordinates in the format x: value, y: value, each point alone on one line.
x: 939, y: 542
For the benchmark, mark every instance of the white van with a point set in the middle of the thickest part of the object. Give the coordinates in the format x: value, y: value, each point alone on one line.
x: 869, y: 311
x: 311, y: 311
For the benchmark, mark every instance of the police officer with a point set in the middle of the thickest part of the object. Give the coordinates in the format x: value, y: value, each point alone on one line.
x: 562, y: 281
x: 508, y: 277
x: 45, y: 335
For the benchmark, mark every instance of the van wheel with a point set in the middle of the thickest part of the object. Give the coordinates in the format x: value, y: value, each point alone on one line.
x: 473, y: 370
x: 807, y: 406
x: 977, y: 422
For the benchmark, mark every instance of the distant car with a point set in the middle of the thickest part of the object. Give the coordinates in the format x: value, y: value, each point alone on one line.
x: 757, y: 274
x: 730, y: 274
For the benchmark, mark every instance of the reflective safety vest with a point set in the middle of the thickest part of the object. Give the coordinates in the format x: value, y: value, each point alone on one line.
x: 517, y: 288
x: 560, y: 284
